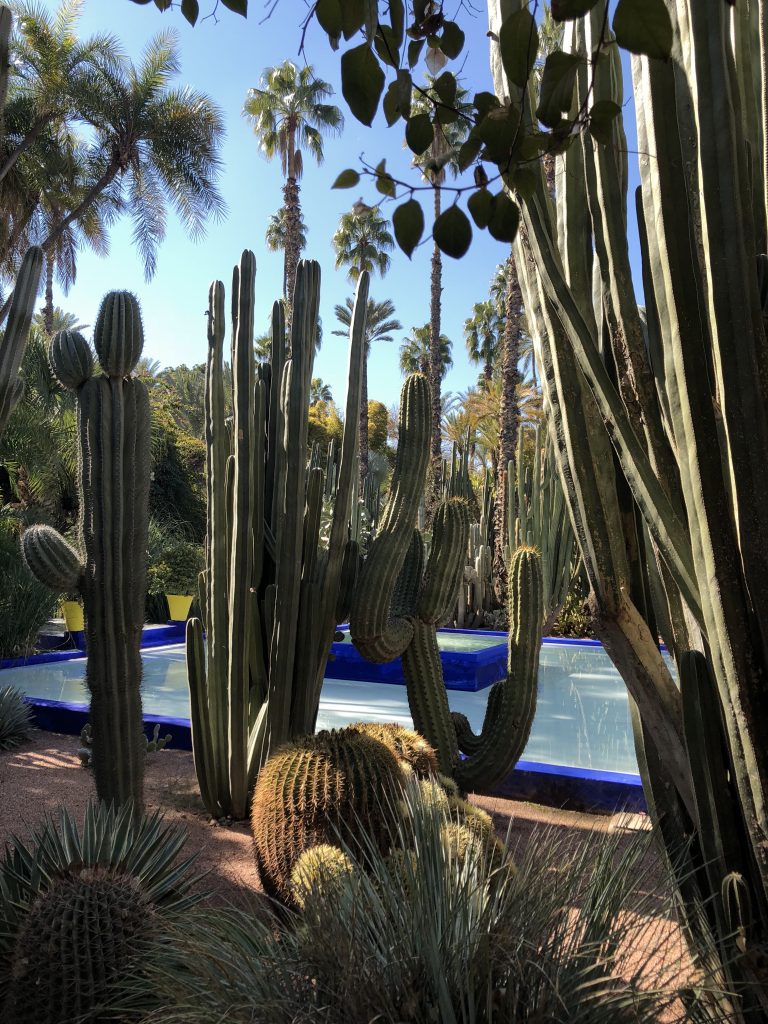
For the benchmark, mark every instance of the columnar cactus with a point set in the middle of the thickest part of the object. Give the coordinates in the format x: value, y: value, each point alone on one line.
x: 398, y: 605
x: 113, y: 484
x: 271, y: 594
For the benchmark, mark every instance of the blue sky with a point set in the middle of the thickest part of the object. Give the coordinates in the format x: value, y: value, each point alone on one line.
x: 225, y: 59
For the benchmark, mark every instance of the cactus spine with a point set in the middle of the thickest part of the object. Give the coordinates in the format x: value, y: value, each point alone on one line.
x: 270, y: 594
x: 398, y: 604
x: 113, y: 484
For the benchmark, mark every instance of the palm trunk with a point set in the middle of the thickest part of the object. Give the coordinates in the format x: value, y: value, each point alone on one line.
x: 364, y: 418
x: 435, y: 362
x: 292, y: 218
x: 509, y: 420
x: 84, y: 205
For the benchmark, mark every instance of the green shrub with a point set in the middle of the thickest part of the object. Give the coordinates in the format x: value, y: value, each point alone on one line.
x: 15, y: 718
x: 173, y: 562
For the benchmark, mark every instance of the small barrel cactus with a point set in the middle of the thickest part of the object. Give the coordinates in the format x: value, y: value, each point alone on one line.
x: 409, y: 748
x: 320, y: 871
x: 325, y: 788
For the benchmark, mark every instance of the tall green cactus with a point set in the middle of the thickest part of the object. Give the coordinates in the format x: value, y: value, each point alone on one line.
x: 398, y: 605
x: 113, y: 484
x: 661, y: 423
x: 271, y: 593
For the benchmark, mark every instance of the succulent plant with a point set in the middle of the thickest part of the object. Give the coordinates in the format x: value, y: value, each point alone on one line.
x: 113, y: 485
x: 331, y: 788
x: 318, y: 873
x: 15, y: 718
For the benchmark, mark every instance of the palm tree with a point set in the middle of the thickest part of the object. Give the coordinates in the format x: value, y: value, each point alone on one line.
x: 380, y: 322
x: 435, y: 162
x: 319, y: 391
x: 415, y: 352
x: 288, y: 114
x: 481, y: 335
x: 363, y: 241
x: 276, y: 236
x: 152, y: 146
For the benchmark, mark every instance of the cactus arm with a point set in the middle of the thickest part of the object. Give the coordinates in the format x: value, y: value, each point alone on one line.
x: 378, y: 637
x: 202, y: 739
x: 427, y: 698
x: 17, y: 330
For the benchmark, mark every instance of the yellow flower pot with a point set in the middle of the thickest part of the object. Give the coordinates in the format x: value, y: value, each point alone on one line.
x: 178, y: 606
x: 73, y: 616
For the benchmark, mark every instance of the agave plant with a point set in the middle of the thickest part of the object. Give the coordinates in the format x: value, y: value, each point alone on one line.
x: 15, y: 718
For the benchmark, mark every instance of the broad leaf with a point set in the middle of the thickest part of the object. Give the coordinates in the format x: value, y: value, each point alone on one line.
x: 190, y: 9
x: 567, y: 10
x: 505, y: 218
x: 328, y: 14
x: 404, y: 92
x: 408, y: 224
x: 445, y: 86
x: 419, y: 133
x: 391, y: 104
x: 238, y: 6
x: 397, y: 18
x: 601, y: 118
x: 353, y: 14
x: 385, y: 183
x: 557, y: 84
x: 484, y: 102
x: 362, y: 82
x: 452, y: 232
x: 644, y: 27
x: 518, y: 46
x: 414, y: 51
x: 452, y: 40
x: 347, y: 179
x: 386, y: 46
x: 468, y: 153
x: 480, y: 205
x: 524, y: 182
x: 435, y: 60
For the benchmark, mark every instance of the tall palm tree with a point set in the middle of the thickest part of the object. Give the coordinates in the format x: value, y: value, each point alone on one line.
x: 415, y: 352
x: 276, y: 236
x: 153, y: 146
x: 319, y: 391
x: 482, y: 335
x: 289, y: 114
x: 439, y: 158
x: 380, y: 322
x: 363, y: 241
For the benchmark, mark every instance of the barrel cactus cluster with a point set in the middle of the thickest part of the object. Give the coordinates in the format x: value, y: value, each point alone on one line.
x: 110, y: 573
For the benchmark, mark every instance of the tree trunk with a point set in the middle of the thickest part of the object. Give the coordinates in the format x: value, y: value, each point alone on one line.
x: 48, y: 307
x: 292, y: 218
x: 435, y: 363
x: 509, y: 420
x: 364, y: 418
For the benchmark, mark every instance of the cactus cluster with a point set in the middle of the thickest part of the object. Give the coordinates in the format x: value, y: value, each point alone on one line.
x: 399, y: 602
x: 151, y: 746
x: 271, y: 590
x: 113, y: 486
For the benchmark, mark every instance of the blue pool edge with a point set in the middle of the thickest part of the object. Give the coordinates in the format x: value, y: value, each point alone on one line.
x: 580, y: 789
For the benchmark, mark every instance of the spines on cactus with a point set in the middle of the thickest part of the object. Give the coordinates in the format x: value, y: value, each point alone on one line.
x: 113, y: 485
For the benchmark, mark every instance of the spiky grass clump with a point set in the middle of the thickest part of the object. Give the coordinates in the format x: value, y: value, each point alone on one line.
x: 73, y: 885
x: 15, y: 718
x: 420, y: 936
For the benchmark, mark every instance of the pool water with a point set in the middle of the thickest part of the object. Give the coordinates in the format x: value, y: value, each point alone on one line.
x: 455, y: 641
x: 582, y: 717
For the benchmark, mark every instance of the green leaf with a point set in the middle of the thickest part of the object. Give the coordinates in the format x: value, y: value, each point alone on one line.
x: 505, y: 218
x: 238, y: 6
x: 419, y: 133
x: 408, y: 224
x: 524, y: 182
x: 498, y: 131
x: 386, y: 45
x: 644, y: 27
x: 404, y: 91
x: 452, y: 40
x: 452, y: 232
x: 190, y: 9
x: 347, y: 179
x: 480, y: 205
x: 601, y: 118
x: 397, y: 18
x: 484, y: 103
x: 362, y: 82
x: 468, y: 152
x: 445, y: 86
x: 567, y: 10
x: 557, y: 84
x: 385, y: 183
x: 328, y: 14
x: 518, y: 46
x: 353, y: 14
x: 391, y: 104
x: 414, y: 50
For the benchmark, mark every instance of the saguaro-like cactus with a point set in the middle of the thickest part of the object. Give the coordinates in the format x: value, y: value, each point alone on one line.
x: 271, y: 592
x: 398, y: 605
x: 113, y: 483
x: 19, y: 319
